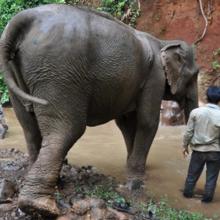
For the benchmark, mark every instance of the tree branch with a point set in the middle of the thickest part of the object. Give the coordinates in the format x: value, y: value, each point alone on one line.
x: 206, y: 23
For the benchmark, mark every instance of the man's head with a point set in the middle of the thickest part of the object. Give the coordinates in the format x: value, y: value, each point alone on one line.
x: 213, y: 94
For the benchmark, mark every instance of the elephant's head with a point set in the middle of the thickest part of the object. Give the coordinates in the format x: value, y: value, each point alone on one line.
x: 181, y: 73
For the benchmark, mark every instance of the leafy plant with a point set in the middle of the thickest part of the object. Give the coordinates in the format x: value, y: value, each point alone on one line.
x: 120, y: 9
x: 3, y: 91
x: 164, y: 212
x: 215, y: 65
x: 105, y: 192
x: 216, y: 60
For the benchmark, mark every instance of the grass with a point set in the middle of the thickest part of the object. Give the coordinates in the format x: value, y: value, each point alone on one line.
x: 163, y: 211
x: 158, y: 210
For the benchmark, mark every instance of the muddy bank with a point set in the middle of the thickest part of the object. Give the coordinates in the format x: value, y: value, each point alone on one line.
x: 82, y: 193
x: 103, y: 147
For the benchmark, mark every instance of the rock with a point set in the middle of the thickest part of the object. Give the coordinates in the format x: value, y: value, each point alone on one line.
x: 6, y: 207
x: 115, y: 215
x: 7, y: 190
x: 65, y: 217
x: 97, y: 203
x: 81, y: 207
x: 95, y: 209
x: 3, y: 131
x: 97, y: 213
x: 171, y: 114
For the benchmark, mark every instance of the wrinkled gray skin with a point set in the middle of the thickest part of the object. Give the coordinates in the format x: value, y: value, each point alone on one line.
x: 68, y: 67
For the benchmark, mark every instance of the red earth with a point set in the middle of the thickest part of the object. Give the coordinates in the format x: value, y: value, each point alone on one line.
x: 183, y: 20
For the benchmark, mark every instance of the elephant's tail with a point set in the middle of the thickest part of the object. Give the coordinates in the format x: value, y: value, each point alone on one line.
x: 12, y: 36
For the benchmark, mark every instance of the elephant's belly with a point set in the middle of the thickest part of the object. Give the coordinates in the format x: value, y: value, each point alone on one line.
x: 97, y: 121
x: 98, y: 116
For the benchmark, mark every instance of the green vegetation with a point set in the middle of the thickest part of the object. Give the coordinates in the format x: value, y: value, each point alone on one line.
x: 160, y: 210
x: 164, y: 212
x: 216, y: 60
x: 125, y: 10
x: 105, y: 192
x: 8, y: 8
x: 3, y: 91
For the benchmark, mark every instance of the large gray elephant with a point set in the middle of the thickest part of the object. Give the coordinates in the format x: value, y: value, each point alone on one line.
x: 69, y: 67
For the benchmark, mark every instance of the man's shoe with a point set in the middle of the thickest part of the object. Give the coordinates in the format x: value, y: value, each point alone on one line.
x: 207, y: 199
x: 187, y: 194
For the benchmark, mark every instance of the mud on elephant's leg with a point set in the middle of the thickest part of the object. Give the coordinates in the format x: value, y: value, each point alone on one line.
x: 38, y: 191
x: 127, y: 125
x: 30, y: 127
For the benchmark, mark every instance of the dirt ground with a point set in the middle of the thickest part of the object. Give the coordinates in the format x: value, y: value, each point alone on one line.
x: 103, y: 147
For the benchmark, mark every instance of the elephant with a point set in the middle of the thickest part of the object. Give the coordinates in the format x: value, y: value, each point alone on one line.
x: 70, y: 67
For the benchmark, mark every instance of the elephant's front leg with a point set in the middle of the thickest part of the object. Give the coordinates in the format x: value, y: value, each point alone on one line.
x: 148, y: 114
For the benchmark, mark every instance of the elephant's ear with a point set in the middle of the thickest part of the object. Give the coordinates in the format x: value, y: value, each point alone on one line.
x: 172, y: 58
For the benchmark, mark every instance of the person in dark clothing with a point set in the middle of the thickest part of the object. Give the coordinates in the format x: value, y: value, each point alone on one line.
x: 203, y: 135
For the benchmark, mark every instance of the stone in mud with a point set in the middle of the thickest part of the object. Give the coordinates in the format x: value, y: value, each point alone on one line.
x: 113, y: 214
x: 6, y: 207
x: 95, y: 209
x: 171, y: 114
x: 81, y: 207
x: 7, y: 190
x: 3, y: 131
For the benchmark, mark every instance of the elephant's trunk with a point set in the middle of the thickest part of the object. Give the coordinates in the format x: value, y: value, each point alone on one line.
x: 191, y: 100
x: 189, y: 106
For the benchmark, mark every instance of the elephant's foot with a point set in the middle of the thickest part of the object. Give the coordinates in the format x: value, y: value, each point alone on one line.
x: 135, y: 175
x: 43, y: 205
x: 134, y: 183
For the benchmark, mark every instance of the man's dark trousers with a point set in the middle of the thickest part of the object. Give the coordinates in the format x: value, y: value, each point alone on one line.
x: 197, y: 162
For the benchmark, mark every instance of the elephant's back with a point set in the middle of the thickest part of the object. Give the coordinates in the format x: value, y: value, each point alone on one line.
x: 86, y: 51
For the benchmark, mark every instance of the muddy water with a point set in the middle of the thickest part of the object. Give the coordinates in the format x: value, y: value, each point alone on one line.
x: 104, y: 148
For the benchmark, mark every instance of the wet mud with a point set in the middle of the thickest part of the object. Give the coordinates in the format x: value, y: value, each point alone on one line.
x: 103, y: 148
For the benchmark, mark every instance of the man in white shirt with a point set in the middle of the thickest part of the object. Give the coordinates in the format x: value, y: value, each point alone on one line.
x: 203, y: 135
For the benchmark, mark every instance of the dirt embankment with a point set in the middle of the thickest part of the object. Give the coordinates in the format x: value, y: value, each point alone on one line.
x: 183, y: 20
x: 81, y: 193
x: 173, y: 19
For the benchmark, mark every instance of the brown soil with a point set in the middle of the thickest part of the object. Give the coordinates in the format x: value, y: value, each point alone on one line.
x: 71, y: 194
x: 74, y: 189
x: 183, y: 20
x: 173, y: 19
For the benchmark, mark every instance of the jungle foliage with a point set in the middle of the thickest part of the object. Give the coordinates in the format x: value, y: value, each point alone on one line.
x: 125, y: 10
x: 216, y: 60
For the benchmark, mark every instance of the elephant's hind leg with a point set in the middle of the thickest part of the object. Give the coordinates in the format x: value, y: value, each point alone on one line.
x: 30, y: 127
x: 38, y: 191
